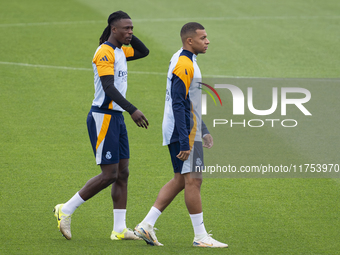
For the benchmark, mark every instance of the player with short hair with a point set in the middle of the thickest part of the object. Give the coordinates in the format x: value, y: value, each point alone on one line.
x: 106, y: 127
x: 183, y: 134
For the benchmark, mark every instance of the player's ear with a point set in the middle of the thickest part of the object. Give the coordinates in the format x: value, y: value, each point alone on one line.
x: 189, y: 40
x: 113, y: 29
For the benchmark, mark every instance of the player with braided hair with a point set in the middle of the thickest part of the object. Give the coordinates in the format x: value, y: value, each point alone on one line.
x: 106, y: 126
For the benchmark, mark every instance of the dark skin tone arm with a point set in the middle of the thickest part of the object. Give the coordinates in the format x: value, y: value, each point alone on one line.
x: 136, y: 115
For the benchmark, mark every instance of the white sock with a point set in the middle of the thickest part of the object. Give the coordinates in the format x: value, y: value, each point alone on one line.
x: 152, y: 216
x: 119, y: 220
x: 71, y: 205
x: 198, y: 224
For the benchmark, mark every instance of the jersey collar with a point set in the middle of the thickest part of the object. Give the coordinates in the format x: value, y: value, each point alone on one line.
x: 110, y: 44
x: 188, y: 54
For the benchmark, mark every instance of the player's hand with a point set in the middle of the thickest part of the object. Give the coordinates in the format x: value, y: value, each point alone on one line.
x: 208, y: 141
x: 183, y: 155
x: 139, y: 118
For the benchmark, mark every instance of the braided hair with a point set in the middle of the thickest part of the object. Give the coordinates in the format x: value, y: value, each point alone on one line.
x: 118, y: 15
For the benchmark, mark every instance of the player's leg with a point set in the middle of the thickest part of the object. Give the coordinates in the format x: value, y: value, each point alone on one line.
x: 193, y: 202
x: 192, y: 192
x: 103, y: 131
x: 63, y: 212
x: 165, y: 196
x: 119, y: 188
x: 119, y: 198
x: 168, y: 192
x: 192, y: 196
x: 107, y: 156
x: 96, y: 184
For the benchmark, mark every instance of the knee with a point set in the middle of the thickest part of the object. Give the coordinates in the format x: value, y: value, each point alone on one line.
x: 123, y: 174
x: 180, y: 182
x: 108, y: 179
x: 193, y: 182
x: 109, y: 174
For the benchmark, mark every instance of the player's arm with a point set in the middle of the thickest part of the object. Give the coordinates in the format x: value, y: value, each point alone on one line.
x: 178, y: 94
x: 204, y: 128
x: 110, y: 90
x: 140, y: 50
x: 115, y: 95
x: 206, y: 137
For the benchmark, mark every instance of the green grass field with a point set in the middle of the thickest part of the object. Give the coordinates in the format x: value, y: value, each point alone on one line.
x: 46, y: 90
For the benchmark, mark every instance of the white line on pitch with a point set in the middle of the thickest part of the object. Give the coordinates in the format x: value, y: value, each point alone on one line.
x: 154, y: 73
x: 90, y: 69
x: 173, y: 20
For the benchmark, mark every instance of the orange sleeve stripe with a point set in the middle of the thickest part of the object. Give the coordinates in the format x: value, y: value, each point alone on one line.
x: 104, y: 60
x: 185, y: 71
x: 128, y: 51
x: 193, y: 131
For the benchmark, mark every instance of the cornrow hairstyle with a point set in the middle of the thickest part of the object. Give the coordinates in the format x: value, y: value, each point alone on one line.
x: 114, y: 17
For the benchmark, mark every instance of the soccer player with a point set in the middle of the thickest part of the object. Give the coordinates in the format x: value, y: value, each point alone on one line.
x: 106, y: 127
x: 180, y: 136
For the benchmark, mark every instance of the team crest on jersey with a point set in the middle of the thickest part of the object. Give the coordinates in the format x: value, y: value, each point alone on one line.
x: 108, y: 155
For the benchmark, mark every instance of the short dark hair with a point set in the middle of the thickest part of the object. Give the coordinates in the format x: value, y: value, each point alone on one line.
x: 112, y: 19
x: 189, y: 29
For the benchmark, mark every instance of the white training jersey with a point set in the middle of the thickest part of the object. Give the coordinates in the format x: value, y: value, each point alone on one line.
x: 110, y: 60
x: 182, y: 95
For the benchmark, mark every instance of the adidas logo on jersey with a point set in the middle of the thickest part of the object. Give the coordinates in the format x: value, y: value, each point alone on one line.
x: 104, y: 59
